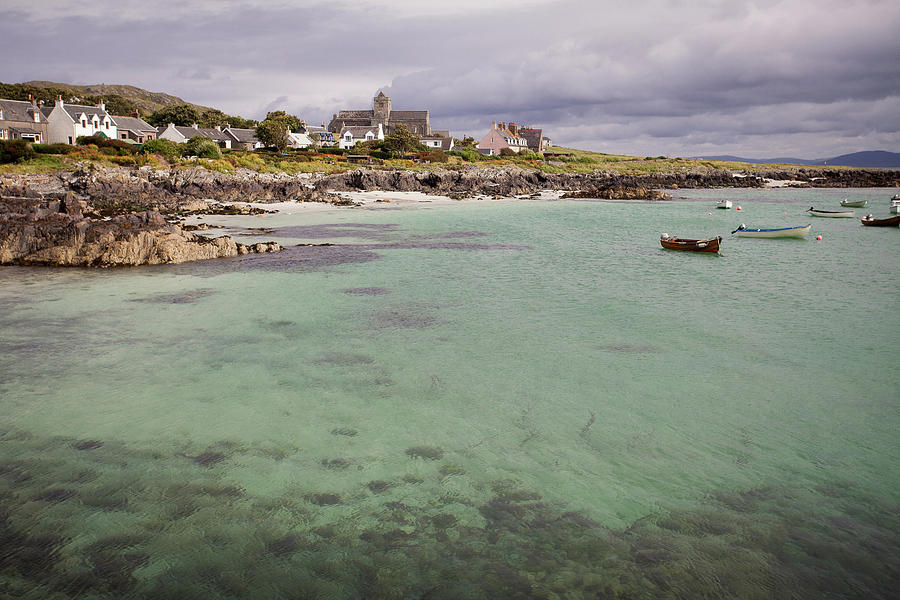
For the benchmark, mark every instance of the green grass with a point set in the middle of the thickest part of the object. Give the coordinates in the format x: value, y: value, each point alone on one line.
x: 580, y: 161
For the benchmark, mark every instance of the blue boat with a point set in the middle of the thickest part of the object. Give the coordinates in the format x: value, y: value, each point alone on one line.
x: 799, y: 231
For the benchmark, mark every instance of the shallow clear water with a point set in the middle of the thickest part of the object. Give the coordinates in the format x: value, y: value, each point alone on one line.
x: 485, y: 399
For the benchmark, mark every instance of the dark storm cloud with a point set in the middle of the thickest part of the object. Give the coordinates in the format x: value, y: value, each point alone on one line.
x: 676, y: 77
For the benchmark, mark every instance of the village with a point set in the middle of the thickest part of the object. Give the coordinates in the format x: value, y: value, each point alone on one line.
x: 65, y: 122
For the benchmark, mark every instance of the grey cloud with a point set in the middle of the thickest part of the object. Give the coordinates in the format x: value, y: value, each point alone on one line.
x: 807, y: 77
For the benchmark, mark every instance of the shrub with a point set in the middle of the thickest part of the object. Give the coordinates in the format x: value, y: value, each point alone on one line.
x: 467, y: 154
x: 202, y: 147
x: 15, y: 150
x: 508, y: 152
x: 435, y: 157
x: 54, y: 148
x: 165, y: 148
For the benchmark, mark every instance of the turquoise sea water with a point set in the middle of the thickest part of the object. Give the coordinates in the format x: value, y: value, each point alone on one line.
x: 469, y: 400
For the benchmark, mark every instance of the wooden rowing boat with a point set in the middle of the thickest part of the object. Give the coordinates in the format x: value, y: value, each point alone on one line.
x: 838, y: 214
x: 853, y: 203
x: 710, y: 245
x: 886, y: 222
x: 799, y: 231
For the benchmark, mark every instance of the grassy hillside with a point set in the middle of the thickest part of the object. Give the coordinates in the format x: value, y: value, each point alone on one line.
x: 148, y: 102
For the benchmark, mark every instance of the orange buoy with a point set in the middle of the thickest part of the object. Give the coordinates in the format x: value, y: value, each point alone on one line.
x: 739, y: 207
x: 819, y: 237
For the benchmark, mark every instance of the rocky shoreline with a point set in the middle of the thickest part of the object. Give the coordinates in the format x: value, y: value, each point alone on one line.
x: 58, y: 233
x: 117, y: 216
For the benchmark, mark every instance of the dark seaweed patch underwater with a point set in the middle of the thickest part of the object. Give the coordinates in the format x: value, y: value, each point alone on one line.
x: 170, y: 533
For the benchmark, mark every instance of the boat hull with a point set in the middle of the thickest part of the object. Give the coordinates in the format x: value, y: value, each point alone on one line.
x: 832, y: 214
x: 724, y: 204
x: 854, y: 203
x: 709, y: 245
x: 888, y: 222
x: 784, y: 232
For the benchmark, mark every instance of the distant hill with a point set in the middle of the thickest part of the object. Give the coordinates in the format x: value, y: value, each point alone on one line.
x: 148, y: 102
x: 873, y: 159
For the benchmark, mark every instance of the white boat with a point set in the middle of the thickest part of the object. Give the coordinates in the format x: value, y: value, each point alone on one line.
x: 723, y: 204
x: 835, y: 214
x: 853, y: 203
x: 781, y: 232
x: 895, y: 204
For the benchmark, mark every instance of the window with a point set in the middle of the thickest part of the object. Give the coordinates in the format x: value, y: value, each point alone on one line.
x: 106, y: 124
x: 84, y: 122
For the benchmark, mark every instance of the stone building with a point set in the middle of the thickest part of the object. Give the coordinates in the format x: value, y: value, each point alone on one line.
x: 21, y: 120
x: 416, y: 121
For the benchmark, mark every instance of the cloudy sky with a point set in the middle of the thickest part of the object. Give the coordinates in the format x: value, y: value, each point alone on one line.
x: 803, y: 78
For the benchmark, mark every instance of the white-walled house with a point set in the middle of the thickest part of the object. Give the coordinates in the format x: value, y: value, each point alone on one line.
x: 350, y: 135
x: 300, y: 140
x: 438, y: 140
x: 68, y: 122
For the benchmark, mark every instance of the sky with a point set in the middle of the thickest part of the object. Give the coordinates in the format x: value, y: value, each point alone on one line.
x: 760, y: 79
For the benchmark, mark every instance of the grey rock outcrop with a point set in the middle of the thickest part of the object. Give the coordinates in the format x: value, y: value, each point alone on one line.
x: 34, y: 232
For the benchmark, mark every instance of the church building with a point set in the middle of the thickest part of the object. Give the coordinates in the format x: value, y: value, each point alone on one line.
x: 416, y: 121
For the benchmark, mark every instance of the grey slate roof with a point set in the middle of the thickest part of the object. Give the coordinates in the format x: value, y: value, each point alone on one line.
x: 359, y: 133
x: 207, y: 132
x: 133, y: 124
x: 245, y: 136
x: 409, y: 115
x: 18, y: 110
x: 75, y: 110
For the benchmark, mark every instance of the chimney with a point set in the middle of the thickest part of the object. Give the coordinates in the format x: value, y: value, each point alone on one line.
x: 227, y: 125
x: 493, y: 125
x: 194, y: 125
x: 100, y: 105
x: 137, y: 114
x: 218, y: 128
x: 514, y: 129
x: 59, y: 101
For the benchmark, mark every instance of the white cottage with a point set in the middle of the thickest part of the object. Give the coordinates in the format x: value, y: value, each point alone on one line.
x: 350, y: 135
x: 68, y: 122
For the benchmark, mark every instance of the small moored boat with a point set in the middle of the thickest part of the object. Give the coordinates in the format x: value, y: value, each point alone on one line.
x: 853, y: 203
x: 895, y: 204
x: 706, y: 245
x: 799, y: 231
x: 724, y: 204
x: 886, y: 222
x: 838, y: 214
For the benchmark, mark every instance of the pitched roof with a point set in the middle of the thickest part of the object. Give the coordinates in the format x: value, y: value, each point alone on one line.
x: 133, y: 124
x: 246, y: 136
x: 356, y: 114
x: 408, y: 115
x: 360, y: 132
x: 75, y: 110
x: 17, y: 110
x: 207, y: 132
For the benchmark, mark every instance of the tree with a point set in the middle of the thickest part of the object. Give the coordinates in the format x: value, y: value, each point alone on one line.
x: 402, y: 140
x: 202, y: 147
x: 214, y: 117
x: 273, y: 132
x: 466, y: 142
x: 179, y: 114
x: 292, y: 122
